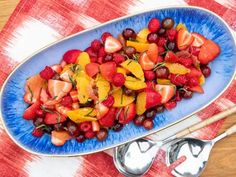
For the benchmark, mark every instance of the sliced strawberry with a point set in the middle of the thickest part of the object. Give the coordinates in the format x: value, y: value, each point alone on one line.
x: 109, y: 101
x: 109, y: 119
x: 54, y: 118
x: 58, y: 89
x: 63, y: 63
x: 127, y: 114
x: 44, y: 97
x: 57, y: 68
x: 194, y: 72
x: 171, y: 57
x: 62, y: 109
x: 152, y: 52
x: 95, y: 126
x: 74, y: 95
x: 145, y: 62
x: 71, y: 56
x: 184, y: 39
x: 75, y: 105
x: 58, y: 138
x: 208, y: 52
x: 166, y: 92
x: 108, y: 70
x: 30, y: 112
x: 153, y: 98
x: 112, y: 45
x: 198, y: 40
x: 197, y: 88
x: 92, y: 69
x: 66, y: 101
x: 66, y: 75
x: 101, y: 110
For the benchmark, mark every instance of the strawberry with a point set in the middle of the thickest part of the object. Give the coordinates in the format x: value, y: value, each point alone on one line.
x: 63, y: 110
x: 109, y: 119
x: 161, y: 42
x: 74, y: 95
x: 66, y: 75
x: 112, y: 45
x: 208, y: 52
x: 149, y: 75
x: 185, y: 61
x: 118, y: 58
x: 63, y: 63
x: 198, y: 40
x: 184, y: 39
x: 197, y: 88
x: 154, y: 25
x: 166, y: 92
x: 95, y: 126
x: 66, y: 101
x: 91, y: 53
x: 30, y: 112
x: 96, y: 45
x: 101, y: 110
x: 93, y: 59
x: 101, y: 52
x: 161, y: 50
x: 194, y: 50
x: 47, y: 73
x: 194, y: 72
x: 171, y: 57
x: 118, y: 80
x: 152, y: 52
x: 109, y: 101
x: 37, y: 132
x: 58, y: 138
x: 127, y: 114
x: 160, y: 59
x: 104, y: 36
x: 100, y: 60
x: 54, y: 118
x: 170, y: 105
x: 178, y: 80
x: 153, y: 98
x: 108, y: 70
x: 75, y: 105
x: 57, y: 68
x: 171, y: 34
x: 92, y: 69
x: 193, y: 81
x: 58, y: 89
x: 145, y: 62
x: 71, y: 56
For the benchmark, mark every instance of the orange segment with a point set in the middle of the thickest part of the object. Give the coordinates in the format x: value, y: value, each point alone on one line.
x: 140, y: 47
x: 142, y: 35
x: 163, y: 81
x: 141, y: 103
x: 201, y: 80
x: 120, y: 99
x: 176, y: 68
x: 83, y: 59
x: 134, y: 84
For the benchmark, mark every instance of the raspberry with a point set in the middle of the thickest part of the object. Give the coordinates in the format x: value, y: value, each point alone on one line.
x: 101, y: 52
x: 178, y: 80
x: 90, y: 134
x: 171, y: 34
x: 160, y: 59
x: 161, y: 42
x: 104, y: 36
x: 100, y: 60
x: 85, y: 126
x: 154, y: 25
x: 193, y: 81
x: 109, y: 101
x: 161, y: 50
x: 37, y: 132
x: 118, y: 80
x: 118, y: 58
x: 95, y: 45
x: 93, y: 59
x: 185, y: 61
x: 150, y: 85
x: 149, y: 75
x: 71, y: 56
x: 91, y: 53
x: 170, y: 105
x: 67, y: 101
x: 47, y: 73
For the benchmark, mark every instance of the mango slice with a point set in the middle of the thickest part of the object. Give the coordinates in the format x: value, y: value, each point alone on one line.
x: 83, y: 59
x: 121, y: 99
x: 140, y: 47
x: 103, y: 87
x: 176, y: 68
x: 141, y: 103
x: 142, y: 35
x: 82, y: 114
x: 134, y: 67
x: 134, y: 84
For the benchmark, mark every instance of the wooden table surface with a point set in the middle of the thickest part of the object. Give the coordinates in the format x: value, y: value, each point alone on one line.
x: 222, y: 161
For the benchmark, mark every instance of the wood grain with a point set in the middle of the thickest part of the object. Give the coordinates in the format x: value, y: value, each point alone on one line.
x: 223, y: 157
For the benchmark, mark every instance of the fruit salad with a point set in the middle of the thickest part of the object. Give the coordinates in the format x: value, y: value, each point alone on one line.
x: 118, y: 80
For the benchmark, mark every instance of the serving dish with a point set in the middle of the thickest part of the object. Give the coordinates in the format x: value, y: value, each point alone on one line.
x: 196, y: 19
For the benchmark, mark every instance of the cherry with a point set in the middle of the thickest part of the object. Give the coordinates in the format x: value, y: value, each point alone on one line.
x: 162, y: 72
x: 102, y: 134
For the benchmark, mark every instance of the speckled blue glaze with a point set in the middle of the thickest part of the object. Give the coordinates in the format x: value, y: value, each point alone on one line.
x: 197, y: 20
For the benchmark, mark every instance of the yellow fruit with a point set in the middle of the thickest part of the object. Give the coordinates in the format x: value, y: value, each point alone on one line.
x: 134, y: 84
x: 103, y: 87
x: 120, y: 99
x: 201, y: 80
x: 181, y: 26
x: 140, y: 47
x: 121, y: 70
x: 82, y: 114
x: 163, y: 81
x: 142, y: 35
x: 141, y: 103
x: 176, y: 68
x: 83, y: 59
x: 134, y: 67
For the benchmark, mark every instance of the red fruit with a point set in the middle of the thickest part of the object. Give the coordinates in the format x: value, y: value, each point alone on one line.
x: 109, y: 101
x: 74, y: 95
x: 171, y: 57
x: 100, y: 60
x: 109, y: 119
x: 198, y: 40
x: 170, y: 105
x: 149, y: 75
x: 161, y: 42
x: 57, y: 68
x: 91, y: 53
x: 178, y: 80
x: 177, y: 96
x: 185, y: 61
x: 112, y: 45
x: 154, y: 25
x: 101, y: 109
x: 160, y: 59
x: 92, y: 69
x: 118, y: 58
x: 150, y: 85
x: 85, y: 126
x: 161, y: 50
x: 197, y: 88
x: 71, y: 56
x: 152, y: 52
x: 145, y: 62
x: 58, y: 89
x: 118, y: 80
x: 37, y: 132
x: 58, y: 138
x: 153, y: 98
x: 148, y: 124
x: 208, y: 52
x: 93, y: 59
x: 47, y: 73
x: 101, y: 52
x: 127, y: 114
x: 30, y: 112
x: 89, y: 134
x: 194, y: 50
x: 104, y: 36
x: 184, y: 39
x: 206, y: 71
x: 96, y: 45
x: 171, y: 34
x: 193, y: 81
x: 108, y: 70
x: 194, y: 72
x: 54, y: 118
x: 40, y: 113
x: 66, y: 101
x: 166, y: 92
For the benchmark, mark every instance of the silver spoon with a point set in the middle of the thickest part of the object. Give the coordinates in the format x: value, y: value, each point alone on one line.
x: 196, y: 153
x: 135, y: 158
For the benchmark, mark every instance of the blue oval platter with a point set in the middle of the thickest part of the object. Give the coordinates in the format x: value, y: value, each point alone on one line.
x: 196, y: 19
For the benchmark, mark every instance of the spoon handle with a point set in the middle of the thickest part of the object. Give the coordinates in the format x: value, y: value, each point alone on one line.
x: 208, y: 121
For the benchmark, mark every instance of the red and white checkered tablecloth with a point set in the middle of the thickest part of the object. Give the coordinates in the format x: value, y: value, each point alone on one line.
x: 34, y: 24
